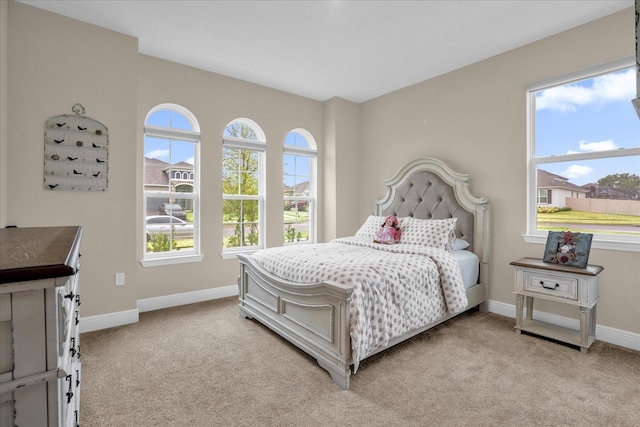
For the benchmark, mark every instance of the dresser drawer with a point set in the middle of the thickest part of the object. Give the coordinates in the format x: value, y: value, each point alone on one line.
x: 551, y: 285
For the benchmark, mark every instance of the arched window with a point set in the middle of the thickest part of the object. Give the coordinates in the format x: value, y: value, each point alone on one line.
x: 299, y: 185
x: 171, y: 216
x: 243, y: 150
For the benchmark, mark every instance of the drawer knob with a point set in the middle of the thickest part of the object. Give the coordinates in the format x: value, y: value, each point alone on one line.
x: 553, y: 288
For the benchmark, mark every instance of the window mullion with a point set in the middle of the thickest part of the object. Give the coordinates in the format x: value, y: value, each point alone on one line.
x: 622, y: 152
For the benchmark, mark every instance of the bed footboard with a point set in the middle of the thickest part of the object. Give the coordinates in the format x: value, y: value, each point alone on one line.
x: 314, y: 317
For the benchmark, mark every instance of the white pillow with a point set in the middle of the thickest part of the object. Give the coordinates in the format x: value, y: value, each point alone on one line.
x: 459, y: 244
x: 370, y: 227
x: 439, y: 233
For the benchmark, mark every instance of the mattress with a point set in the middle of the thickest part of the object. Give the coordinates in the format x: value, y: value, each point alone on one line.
x: 469, y: 267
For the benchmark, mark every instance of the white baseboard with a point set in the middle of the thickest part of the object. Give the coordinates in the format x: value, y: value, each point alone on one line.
x: 111, y: 320
x: 603, y: 333
x: 157, y: 303
x: 93, y: 323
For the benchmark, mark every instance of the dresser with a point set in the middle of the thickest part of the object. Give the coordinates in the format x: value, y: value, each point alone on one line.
x: 40, y: 368
x: 555, y: 282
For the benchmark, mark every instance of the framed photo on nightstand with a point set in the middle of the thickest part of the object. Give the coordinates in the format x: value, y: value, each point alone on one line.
x: 567, y: 248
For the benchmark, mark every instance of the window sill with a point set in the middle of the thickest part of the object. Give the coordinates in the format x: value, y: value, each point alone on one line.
x: 154, y: 262
x: 630, y: 245
x: 232, y: 255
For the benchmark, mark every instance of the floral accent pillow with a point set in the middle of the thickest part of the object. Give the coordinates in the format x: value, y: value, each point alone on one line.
x: 370, y: 227
x: 439, y: 233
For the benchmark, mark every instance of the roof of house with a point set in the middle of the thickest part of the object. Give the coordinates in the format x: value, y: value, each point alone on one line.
x: 181, y: 166
x: 551, y: 180
x: 154, y: 172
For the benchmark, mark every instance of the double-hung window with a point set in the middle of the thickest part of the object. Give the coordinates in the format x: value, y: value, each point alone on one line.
x: 299, y: 175
x: 243, y: 151
x: 584, y: 156
x: 171, y: 186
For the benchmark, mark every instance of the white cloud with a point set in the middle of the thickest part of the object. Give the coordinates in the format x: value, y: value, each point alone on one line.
x: 190, y: 160
x: 598, y: 146
x: 594, y: 146
x: 157, y: 154
x: 606, y: 88
x: 576, y: 171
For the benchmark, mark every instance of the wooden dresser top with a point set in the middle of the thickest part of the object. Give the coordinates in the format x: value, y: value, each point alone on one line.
x: 35, y: 253
x: 590, y: 270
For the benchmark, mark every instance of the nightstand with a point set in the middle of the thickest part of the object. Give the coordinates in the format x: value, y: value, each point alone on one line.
x: 560, y: 283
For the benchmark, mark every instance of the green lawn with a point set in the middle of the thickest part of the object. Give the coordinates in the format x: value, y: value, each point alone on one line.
x: 588, y: 222
x: 579, y: 217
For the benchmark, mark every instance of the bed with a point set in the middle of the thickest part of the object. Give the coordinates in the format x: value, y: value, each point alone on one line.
x: 327, y: 317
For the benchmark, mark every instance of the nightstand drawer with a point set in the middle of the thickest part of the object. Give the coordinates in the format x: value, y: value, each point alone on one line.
x: 551, y: 285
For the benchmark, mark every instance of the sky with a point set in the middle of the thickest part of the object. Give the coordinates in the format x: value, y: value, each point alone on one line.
x: 589, y: 116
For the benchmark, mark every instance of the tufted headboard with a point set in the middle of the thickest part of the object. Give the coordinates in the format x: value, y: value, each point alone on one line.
x: 426, y: 188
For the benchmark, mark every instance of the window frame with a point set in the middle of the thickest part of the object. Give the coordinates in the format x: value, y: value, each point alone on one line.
x: 312, y: 153
x: 541, y: 197
x: 532, y: 235
x: 151, y: 259
x: 260, y: 146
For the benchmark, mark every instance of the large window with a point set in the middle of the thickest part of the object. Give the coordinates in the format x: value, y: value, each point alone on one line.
x: 299, y: 176
x: 242, y: 186
x: 171, y: 189
x: 584, y: 156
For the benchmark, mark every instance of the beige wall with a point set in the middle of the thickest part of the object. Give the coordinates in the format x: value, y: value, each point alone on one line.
x: 53, y: 63
x: 473, y: 119
x: 341, y: 169
x: 4, y: 19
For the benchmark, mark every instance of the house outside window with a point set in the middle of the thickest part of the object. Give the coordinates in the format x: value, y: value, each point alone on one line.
x: 243, y: 151
x: 299, y: 187
x: 584, y: 156
x: 171, y: 188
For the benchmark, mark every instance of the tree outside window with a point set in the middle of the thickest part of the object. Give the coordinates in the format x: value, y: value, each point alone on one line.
x: 243, y: 150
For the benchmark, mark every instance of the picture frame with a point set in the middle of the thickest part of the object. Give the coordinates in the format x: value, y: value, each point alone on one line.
x: 568, y: 248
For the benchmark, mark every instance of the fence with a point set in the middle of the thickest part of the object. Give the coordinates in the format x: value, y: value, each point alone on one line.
x: 607, y: 206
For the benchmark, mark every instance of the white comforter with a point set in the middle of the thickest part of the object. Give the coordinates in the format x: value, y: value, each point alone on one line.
x: 397, y: 288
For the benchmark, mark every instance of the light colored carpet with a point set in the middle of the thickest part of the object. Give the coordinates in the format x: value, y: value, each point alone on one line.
x: 202, y: 365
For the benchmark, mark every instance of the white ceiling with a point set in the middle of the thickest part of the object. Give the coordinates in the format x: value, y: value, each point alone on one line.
x: 355, y: 50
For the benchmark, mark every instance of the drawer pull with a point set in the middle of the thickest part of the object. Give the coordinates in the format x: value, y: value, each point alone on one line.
x: 69, y: 393
x: 72, y: 350
x: 553, y: 288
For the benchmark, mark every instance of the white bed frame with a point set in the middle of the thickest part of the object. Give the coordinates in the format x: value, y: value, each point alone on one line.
x: 315, y: 317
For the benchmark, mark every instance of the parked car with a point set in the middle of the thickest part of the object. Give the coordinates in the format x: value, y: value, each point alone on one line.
x: 173, y: 209
x: 164, y: 223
